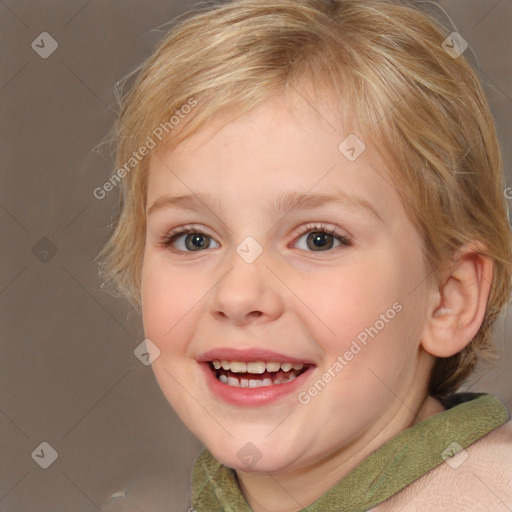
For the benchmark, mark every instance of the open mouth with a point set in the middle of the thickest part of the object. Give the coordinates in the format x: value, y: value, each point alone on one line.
x: 255, y: 374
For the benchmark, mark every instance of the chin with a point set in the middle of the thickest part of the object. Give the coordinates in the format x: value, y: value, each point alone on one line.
x: 261, y: 466
x: 248, y: 458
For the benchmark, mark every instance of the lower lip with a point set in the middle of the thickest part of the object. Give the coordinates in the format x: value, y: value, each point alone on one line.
x: 251, y: 397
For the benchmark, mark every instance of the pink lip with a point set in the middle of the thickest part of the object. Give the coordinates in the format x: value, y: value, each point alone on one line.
x: 252, y: 397
x: 247, y: 355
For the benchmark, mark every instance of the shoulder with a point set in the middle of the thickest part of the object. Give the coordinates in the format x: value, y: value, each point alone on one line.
x: 477, y: 478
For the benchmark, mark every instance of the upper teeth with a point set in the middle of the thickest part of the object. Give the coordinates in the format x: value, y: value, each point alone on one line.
x: 255, y: 366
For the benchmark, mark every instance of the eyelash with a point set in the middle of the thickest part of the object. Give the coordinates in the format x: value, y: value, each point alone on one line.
x: 174, y: 234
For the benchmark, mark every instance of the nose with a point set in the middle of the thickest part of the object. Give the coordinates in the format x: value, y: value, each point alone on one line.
x: 248, y: 292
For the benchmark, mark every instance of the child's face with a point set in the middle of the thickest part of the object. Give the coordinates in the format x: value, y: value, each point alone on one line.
x: 307, y: 296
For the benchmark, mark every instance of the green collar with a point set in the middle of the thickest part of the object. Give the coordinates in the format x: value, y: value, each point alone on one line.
x: 386, y: 471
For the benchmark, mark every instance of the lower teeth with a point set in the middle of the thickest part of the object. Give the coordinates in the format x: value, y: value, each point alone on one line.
x: 254, y: 383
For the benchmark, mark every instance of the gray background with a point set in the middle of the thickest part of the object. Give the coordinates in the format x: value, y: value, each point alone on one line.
x: 68, y: 375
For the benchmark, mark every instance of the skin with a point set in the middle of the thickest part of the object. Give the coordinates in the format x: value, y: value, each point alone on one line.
x: 294, y: 300
x: 481, y: 480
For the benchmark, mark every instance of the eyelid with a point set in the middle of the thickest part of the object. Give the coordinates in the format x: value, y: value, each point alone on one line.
x: 321, y: 226
x: 186, y: 227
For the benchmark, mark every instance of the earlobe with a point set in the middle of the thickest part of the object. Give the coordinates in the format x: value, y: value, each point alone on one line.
x: 460, y: 304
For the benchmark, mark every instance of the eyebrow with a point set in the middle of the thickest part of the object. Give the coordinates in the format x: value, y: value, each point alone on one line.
x: 284, y: 204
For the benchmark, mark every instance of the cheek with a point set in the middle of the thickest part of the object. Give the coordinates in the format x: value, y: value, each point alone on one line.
x: 169, y: 297
x: 378, y: 327
x: 366, y: 314
x: 349, y: 299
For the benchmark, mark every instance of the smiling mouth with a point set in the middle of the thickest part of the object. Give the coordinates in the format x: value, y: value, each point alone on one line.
x: 256, y: 374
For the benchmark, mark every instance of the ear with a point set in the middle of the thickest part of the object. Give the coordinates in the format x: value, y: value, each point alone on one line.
x: 457, y: 309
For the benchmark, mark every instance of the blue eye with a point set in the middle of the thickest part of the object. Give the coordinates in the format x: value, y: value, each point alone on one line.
x: 194, y: 240
x: 191, y: 239
x: 320, y: 239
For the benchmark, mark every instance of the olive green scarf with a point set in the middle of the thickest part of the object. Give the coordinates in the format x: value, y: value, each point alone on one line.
x: 385, y: 472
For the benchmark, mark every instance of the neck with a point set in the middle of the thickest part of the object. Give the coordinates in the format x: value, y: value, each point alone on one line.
x: 293, y: 491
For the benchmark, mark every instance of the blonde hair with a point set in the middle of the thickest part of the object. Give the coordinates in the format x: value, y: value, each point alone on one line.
x: 423, y: 108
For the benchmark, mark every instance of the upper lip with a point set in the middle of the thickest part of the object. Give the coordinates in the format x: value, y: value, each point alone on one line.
x: 248, y: 355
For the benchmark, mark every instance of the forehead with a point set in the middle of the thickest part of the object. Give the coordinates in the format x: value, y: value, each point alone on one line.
x: 284, y: 146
